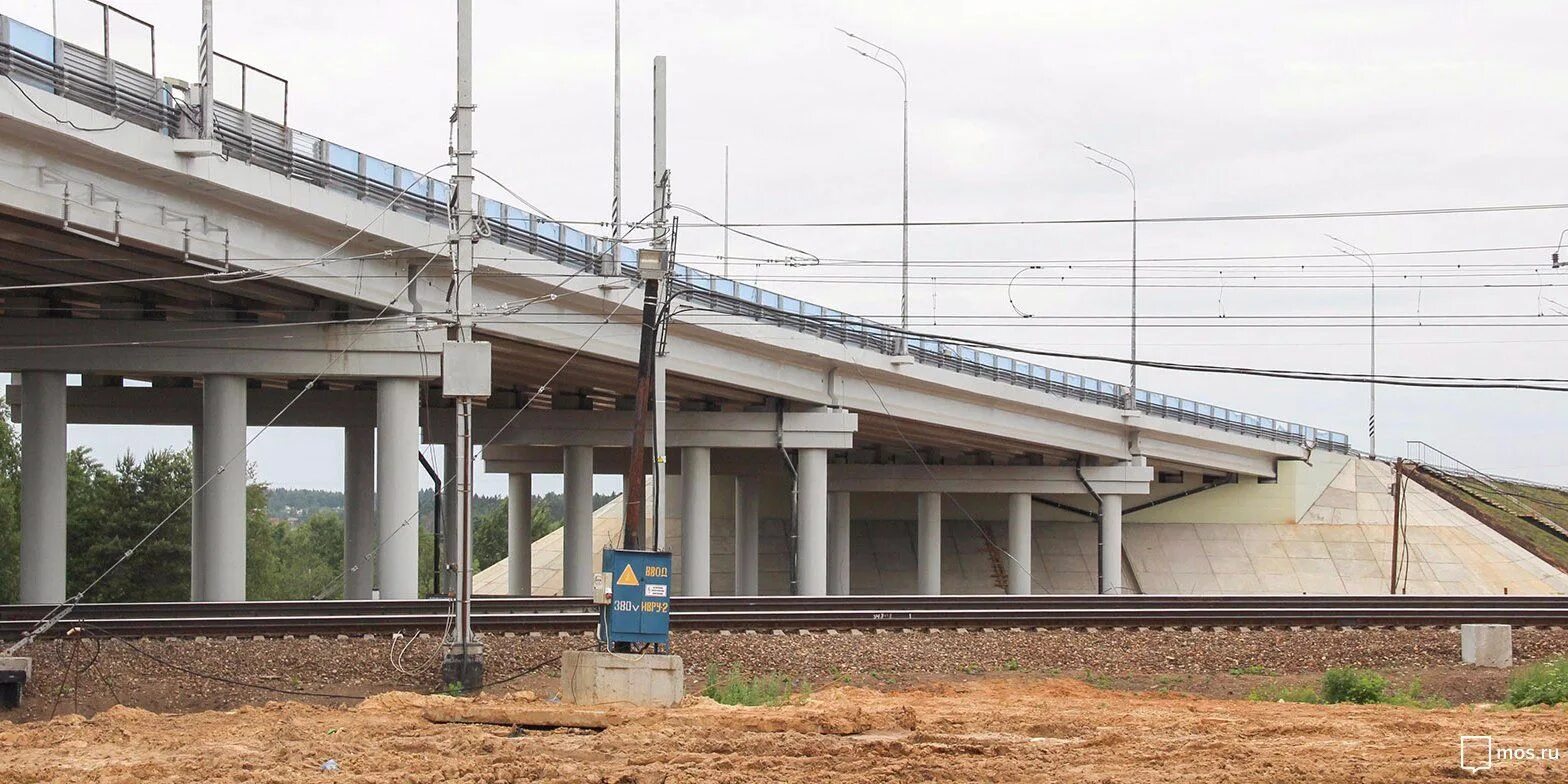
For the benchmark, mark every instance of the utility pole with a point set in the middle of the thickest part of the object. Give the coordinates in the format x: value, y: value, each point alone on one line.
x: 612, y: 266
x: 204, y: 67
x: 652, y: 264
x: 465, y: 366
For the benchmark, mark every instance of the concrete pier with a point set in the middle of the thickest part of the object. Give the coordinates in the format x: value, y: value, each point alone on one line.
x: 43, y: 488
x: 748, y: 490
x: 812, y: 531
x: 220, y: 559
x: 359, y: 511
x: 696, y: 522
x: 928, y: 544
x: 519, y: 534
x: 577, y: 563
x: 1111, y: 579
x: 838, y: 544
x: 397, y: 488
x: 1020, y: 530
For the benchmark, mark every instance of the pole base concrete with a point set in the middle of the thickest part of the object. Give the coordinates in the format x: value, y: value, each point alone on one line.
x: 14, y: 671
x: 1487, y: 644
x: 599, y: 677
x: 463, y: 669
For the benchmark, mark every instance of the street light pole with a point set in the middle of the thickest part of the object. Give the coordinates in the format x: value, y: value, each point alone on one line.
x: 1125, y: 171
x: 612, y: 266
x: 897, y: 67
x: 1366, y: 258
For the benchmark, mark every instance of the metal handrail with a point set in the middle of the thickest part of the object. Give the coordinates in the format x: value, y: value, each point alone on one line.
x: 123, y: 92
x: 1422, y: 453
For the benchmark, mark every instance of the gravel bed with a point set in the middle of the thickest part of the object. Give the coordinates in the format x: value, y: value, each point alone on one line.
x: 88, y: 675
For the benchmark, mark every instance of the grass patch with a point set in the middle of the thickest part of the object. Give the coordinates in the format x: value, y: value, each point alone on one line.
x: 1350, y: 685
x: 1285, y: 694
x: 734, y: 688
x: 1545, y: 683
x: 1251, y: 669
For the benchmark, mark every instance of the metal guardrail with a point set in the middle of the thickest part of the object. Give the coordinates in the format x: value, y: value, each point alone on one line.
x: 35, y: 58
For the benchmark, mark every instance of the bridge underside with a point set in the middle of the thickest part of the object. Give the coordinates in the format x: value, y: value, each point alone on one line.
x: 220, y: 293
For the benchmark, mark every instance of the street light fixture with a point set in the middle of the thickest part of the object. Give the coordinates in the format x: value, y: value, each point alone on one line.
x: 1125, y: 171
x: 1366, y: 258
x: 887, y: 59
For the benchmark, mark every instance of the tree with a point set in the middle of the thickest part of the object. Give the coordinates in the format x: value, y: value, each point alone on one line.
x: 10, y: 509
x: 490, y: 531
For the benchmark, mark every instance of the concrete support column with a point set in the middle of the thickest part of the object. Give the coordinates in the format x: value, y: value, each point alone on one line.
x: 696, y: 522
x: 577, y: 540
x: 1111, y: 580
x: 220, y: 561
x: 811, y: 531
x: 197, y: 588
x: 519, y: 534
x: 838, y: 544
x: 397, y: 488
x: 43, y: 488
x: 748, y: 495
x: 1020, y: 551
x: 928, y: 544
x: 359, y: 511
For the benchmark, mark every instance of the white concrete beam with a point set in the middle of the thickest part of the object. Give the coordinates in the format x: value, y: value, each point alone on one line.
x: 865, y: 478
x: 116, y: 347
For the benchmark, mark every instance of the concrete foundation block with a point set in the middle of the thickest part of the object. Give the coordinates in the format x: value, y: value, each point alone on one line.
x: 1487, y: 644
x: 600, y: 678
x: 14, y: 672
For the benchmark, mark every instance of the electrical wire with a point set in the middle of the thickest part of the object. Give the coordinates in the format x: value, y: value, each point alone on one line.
x: 57, y: 118
x: 1274, y: 216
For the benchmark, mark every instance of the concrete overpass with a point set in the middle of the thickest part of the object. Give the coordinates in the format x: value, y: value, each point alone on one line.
x: 270, y: 277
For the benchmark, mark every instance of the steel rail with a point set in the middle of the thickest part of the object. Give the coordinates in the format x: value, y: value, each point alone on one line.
x: 555, y: 614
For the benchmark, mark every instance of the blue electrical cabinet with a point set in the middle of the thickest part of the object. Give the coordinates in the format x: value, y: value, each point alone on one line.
x: 639, y: 609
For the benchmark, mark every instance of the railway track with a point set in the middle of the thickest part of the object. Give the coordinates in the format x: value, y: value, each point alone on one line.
x: 789, y: 613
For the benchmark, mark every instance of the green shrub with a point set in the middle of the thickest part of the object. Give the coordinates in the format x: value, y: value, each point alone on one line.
x: 1347, y: 684
x: 736, y: 689
x: 1545, y: 683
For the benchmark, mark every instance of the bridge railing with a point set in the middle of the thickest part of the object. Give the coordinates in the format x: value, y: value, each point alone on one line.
x: 37, y: 59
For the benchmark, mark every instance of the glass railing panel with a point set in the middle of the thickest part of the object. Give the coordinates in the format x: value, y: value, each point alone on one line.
x: 343, y: 158
x: 380, y: 171
x: 413, y: 183
x: 31, y: 41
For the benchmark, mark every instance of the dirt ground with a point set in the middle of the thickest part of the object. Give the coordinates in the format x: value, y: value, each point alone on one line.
x: 1127, y: 705
x: 1000, y: 727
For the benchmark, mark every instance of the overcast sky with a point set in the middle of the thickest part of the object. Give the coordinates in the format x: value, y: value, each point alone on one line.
x: 1222, y: 108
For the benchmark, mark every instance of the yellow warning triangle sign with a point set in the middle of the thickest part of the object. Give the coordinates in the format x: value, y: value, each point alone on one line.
x: 627, y: 577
